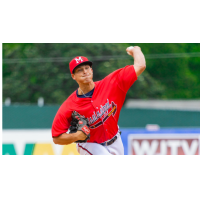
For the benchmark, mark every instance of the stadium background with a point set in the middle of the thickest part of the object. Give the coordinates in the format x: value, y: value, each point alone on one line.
x: 161, y: 114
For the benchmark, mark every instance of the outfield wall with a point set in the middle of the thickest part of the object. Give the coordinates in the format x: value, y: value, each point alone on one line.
x: 34, y: 117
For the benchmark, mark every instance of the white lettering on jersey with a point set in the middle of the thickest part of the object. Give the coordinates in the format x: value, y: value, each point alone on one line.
x: 99, y: 114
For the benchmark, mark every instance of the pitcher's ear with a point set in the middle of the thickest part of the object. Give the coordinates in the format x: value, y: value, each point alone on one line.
x: 73, y: 77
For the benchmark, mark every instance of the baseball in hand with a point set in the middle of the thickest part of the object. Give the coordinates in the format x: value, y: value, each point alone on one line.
x: 129, y: 50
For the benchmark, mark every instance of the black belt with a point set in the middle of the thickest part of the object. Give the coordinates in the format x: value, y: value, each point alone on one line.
x: 109, y: 142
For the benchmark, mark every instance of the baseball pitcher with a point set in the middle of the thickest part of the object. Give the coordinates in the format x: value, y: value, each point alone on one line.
x: 89, y: 116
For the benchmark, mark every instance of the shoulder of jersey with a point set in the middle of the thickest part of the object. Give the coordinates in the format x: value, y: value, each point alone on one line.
x: 69, y: 99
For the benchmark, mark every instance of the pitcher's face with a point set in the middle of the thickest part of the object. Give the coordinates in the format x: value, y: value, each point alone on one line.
x: 83, y: 74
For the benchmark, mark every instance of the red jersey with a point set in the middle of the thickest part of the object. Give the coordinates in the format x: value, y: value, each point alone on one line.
x: 102, y: 110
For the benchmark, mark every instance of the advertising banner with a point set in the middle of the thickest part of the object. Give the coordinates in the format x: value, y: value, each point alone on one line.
x: 136, y: 142
x: 166, y: 144
x: 164, y: 141
x: 33, y: 142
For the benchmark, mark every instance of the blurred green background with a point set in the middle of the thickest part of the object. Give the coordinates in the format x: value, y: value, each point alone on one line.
x: 41, y: 71
x: 33, y: 70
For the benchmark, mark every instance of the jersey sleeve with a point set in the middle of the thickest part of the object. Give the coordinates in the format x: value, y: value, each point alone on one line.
x: 126, y: 77
x: 123, y: 78
x: 61, y: 123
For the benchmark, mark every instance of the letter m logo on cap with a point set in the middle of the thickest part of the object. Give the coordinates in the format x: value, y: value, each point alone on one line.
x: 75, y: 62
x: 78, y: 60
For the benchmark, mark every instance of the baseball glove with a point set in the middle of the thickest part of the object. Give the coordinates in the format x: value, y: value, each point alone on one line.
x: 79, y: 123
